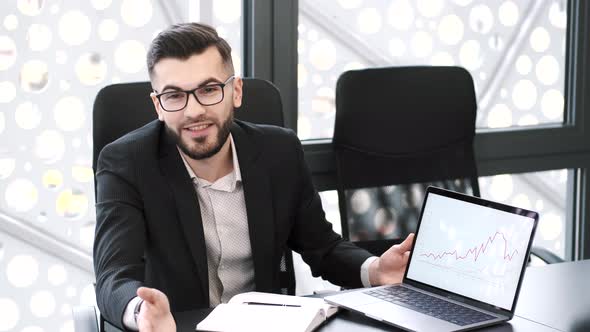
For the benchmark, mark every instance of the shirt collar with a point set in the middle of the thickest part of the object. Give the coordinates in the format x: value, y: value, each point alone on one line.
x: 225, y: 183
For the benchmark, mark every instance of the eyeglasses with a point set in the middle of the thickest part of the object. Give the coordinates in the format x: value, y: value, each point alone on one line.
x: 206, y: 95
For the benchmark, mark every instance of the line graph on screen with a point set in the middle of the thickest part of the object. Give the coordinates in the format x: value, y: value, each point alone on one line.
x: 488, y: 259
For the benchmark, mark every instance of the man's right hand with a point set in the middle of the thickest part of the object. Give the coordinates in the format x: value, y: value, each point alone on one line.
x: 154, y: 315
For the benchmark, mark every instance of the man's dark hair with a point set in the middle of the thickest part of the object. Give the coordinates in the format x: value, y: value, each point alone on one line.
x: 181, y: 41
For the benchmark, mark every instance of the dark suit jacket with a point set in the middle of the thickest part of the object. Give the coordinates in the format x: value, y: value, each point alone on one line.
x: 149, y: 229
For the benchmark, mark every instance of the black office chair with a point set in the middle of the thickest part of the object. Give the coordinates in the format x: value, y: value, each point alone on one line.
x: 121, y: 108
x: 398, y: 130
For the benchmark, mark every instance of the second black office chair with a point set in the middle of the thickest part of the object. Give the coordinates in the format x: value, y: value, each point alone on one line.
x: 397, y: 130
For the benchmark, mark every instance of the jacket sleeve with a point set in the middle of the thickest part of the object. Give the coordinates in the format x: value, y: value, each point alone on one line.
x: 120, y: 234
x: 327, y: 254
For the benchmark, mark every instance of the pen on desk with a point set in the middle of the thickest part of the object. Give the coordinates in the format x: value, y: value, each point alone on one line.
x: 272, y: 304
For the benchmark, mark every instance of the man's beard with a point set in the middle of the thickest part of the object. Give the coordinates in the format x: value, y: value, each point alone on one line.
x: 222, y: 134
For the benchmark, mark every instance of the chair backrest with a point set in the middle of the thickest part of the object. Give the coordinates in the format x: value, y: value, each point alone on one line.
x: 121, y: 108
x: 397, y: 130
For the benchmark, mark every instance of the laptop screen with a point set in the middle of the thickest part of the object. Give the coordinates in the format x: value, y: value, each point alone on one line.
x: 470, y: 249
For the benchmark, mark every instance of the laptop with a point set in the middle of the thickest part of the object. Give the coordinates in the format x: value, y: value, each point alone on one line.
x: 464, y: 271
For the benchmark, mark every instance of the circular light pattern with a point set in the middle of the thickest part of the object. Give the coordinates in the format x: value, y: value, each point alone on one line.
x: 34, y: 76
x: 558, y: 15
x: 442, y: 59
x: 130, y: 56
x: 430, y: 8
x: 88, y: 296
x: 7, y: 52
x: 353, y: 66
x: 91, y: 68
x: 524, y: 65
x: 301, y: 75
x: 400, y: 14
x: 360, y: 201
x: 101, y: 4
x: 32, y: 329
x: 540, y: 39
x: 397, y: 47
x: 42, y: 304
x: 227, y: 11
x: 10, y: 314
x: 50, y: 146
x: 136, y: 13
x: 501, y: 187
x: 28, y: 166
x: 462, y: 3
x: 350, y: 4
x: 303, y: 127
x: 57, y: 275
x: 21, y: 195
x: 7, y: 166
x: 470, y: 55
x: 547, y: 70
x: 52, y: 179
x: 550, y: 226
x: 508, y: 13
x: 74, y: 27
x: 22, y: 271
x: 500, y: 116
x: 27, y: 115
x: 481, y: 19
x: 82, y: 174
x: 300, y: 46
x: 71, y: 204
x: 524, y: 94
x: 421, y: 44
x: 322, y: 54
x: 528, y: 120
x: 7, y: 91
x: 369, y: 21
x: 522, y: 201
x: 68, y: 326
x: 552, y: 104
x: 108, y: 30
x: 39, y: 37
x: 450, y: 30
x: 30, y: 7
x: 64, y: 85
x: 10, y: 22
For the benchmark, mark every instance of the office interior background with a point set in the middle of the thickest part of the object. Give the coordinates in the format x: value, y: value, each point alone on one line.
x: 528, y: 58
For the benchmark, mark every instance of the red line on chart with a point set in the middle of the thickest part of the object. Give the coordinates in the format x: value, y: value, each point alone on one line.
x: 476, y: 251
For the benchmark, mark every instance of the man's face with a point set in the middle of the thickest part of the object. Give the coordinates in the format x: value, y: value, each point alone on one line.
x: 200, y: 131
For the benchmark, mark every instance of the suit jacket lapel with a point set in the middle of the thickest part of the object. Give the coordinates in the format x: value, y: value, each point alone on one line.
x: 187, y: 206
x: 258, y: 197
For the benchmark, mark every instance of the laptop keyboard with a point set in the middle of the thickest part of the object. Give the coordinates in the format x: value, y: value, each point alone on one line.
x: 429, y: 305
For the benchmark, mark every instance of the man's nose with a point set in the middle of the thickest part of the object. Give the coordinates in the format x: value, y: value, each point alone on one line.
x: 193, y: 107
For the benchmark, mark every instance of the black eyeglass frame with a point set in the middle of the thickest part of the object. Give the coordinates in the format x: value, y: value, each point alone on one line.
x: 192, y: 92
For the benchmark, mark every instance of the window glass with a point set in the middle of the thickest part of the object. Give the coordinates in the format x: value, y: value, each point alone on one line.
x: 514, y: 50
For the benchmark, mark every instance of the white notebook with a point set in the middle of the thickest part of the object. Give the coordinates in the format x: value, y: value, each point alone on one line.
x: 255, y: 311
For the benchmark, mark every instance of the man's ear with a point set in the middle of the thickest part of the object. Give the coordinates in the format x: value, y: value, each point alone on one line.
x: 157, y: 106
x: 237, y: 95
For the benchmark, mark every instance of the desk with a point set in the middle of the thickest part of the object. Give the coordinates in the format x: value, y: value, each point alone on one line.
x: 553, y: 298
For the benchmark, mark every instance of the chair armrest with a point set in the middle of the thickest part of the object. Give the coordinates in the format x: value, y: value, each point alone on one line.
x: 85, y: 319
x: 546, y: 255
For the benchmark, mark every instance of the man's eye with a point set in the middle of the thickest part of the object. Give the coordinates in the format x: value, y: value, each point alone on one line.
x: 174, y: 96
x: 209, y: 89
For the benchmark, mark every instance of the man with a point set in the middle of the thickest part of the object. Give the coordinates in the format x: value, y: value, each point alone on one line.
x: 199, y: 206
